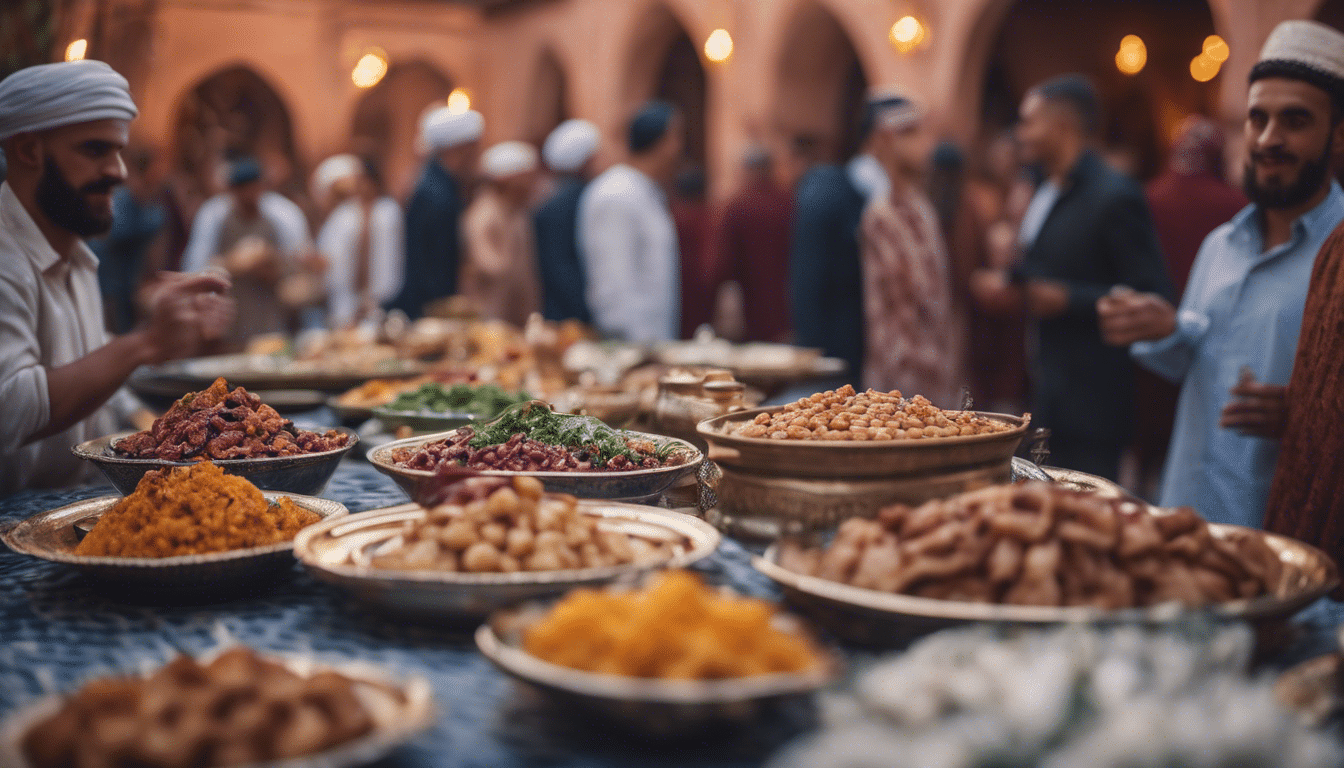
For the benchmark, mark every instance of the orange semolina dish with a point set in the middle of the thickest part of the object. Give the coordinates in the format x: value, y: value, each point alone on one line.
x: 676, y: 628
x: 190, y: 511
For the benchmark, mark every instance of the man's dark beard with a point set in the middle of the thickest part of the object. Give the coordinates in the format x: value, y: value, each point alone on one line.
x: 67, y: 207
x: 1310, y: 179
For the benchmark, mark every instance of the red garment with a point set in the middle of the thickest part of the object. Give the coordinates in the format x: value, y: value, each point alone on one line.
x: 1306, y: 500
x: 699, y: 273
x: 1186, y: 208
x: 753, y: 249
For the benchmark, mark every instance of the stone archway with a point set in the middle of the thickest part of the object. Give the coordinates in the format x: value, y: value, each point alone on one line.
x: 1141, y: 111
x: 386, y: 121
x: 820, y: 87
x: 548, y: 102
x: 662, y: 62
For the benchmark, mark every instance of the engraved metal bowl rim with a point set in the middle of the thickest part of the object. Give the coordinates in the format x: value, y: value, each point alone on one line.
x: 714, y: 430
x: 101, y: 450
x: 896, y: 605
x: 704, y: 541
x: 325, y: 508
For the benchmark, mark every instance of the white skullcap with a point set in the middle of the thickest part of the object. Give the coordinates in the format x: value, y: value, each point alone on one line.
x: 52, y: 95
x: 332, y: 170
x: 508, y: 158
x: 443, y: 129
x: 1304, y: 50
x: 570, y: 145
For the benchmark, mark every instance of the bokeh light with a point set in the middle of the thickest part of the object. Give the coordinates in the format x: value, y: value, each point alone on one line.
x: 76, y: 50
x: 1216, y: 48
x: 1203, y: 68
x: 907, y: 33
x: 459, y: 101
x: 1132, y: 56
x: 719, y: 46
x: 370, y: 69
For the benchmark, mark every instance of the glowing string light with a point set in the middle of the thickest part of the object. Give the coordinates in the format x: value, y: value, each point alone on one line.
x: 76, y: 50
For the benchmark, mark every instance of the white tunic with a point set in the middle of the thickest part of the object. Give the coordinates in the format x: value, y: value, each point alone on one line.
x: 51, y: 314
x: 338, y: 241
x: 628, y: 243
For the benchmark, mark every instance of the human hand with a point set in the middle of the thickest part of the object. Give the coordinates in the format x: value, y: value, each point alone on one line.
x: 993, y: 293
x: 1046, y: 298
x: 1257, y: 410
x: 1127, y: 316
x: 186, y: 311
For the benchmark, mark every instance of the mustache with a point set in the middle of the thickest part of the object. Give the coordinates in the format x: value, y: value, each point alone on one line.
x: 1274, y: 155
x: 101, y: 187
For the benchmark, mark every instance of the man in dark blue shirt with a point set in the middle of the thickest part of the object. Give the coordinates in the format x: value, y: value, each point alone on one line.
x: 569, y: 152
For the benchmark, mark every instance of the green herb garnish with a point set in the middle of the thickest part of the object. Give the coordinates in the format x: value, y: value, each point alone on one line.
x: 581, y: 434
x: 484, y: 400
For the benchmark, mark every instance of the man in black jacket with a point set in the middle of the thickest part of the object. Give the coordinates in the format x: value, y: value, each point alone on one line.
x: 1086, y: 231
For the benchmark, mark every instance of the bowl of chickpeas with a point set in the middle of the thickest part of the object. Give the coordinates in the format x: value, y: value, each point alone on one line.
x: 810, y: 464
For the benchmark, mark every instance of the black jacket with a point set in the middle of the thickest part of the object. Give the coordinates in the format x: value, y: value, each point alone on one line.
x: 562, y: 280
x: 825, y: 278
x: 1098, y: 235
x: 433, y: 241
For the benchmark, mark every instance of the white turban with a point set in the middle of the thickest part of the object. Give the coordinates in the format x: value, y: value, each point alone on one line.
x: 52, y: 95
x: 332, y: 170
x: 571, y: 145
x: 509, y: 158
x: 1304, y: 50
x: 443, y: 129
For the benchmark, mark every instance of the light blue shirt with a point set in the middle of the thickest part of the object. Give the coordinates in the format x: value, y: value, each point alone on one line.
x: 1242, y: 309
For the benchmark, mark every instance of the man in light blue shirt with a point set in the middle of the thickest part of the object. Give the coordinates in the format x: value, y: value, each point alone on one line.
x: 1234, y: 337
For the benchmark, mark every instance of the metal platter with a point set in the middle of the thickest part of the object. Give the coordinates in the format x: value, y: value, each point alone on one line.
x: 824, y: 458
x: 306, y: 473
x: 422, y: 421
x: 882, y: 618
x: 276, y: 372
x: 659, y: 707
x: 52, y: 536
x: 338, y: 552
x: 631, y: 485
x: 400, y: 709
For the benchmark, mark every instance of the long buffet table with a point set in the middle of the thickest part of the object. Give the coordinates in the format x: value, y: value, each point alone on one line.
x: 57, y: 630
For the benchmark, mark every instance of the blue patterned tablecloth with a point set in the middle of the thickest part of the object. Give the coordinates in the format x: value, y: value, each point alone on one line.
x: 56, y: 631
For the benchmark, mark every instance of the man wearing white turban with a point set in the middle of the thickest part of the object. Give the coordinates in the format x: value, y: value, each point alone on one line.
x: 499, y: 273
x: 433, y: 215
x: 63, y: 127
x: 363, y: 243
x: 569, y: 152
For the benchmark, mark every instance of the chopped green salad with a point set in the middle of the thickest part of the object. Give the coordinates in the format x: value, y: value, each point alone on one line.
x: 483, y: 400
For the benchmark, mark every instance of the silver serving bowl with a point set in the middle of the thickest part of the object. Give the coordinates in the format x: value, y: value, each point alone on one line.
x: 339, y: 552
x: 52, y: 535
x: 873, y: 617
x: 305, y: 474
x: 397, y: 718
x: 422, y: 421
x: 630, y: 485
x: 653, y: 706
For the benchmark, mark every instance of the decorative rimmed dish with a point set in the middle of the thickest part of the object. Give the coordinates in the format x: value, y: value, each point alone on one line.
x: 397, y: 718
x: 422, y: 421
x: 306, y: 473
x: 338, y: 552
x: 52, y: 536
x: 882, y: 618
x: 655, y: 706
x: 628, y: 485
x: 281, y: 372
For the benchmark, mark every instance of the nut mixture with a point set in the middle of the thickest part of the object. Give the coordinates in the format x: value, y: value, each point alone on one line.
x: 1038, y: 544
x: 238, y: 709
x: 492, y: 525
x: 843, y: 414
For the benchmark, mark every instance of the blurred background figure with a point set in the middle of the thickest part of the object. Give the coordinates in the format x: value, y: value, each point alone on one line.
x: 825, y: 278
x: 753, y: 248
x: 569, y: 151
x: 912, y: 343
x: 700, y: 274
x: 259, y: 237
x: 451, y: 142
x: 1086, y: 231
x: 1188, y: 201
x: 362, y: 240
x: 627, y: 238
x: 499, y: 273
x: 124, y: 254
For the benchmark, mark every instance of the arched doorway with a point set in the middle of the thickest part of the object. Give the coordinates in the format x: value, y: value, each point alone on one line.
x: 387, y: 119
x: 821, y: 88
x: 233, y: 113
x: 663, y: 63
x: 1142, y: 110
x: 548, y: 105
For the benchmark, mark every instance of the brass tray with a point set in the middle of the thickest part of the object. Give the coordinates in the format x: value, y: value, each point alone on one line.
x: 883, y: 618
x: 824, y: 458
x: 629, y: 485
x: 52, y: 536
x: 395, y: 722
x: 658, y: 707
x: 338, y: 552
